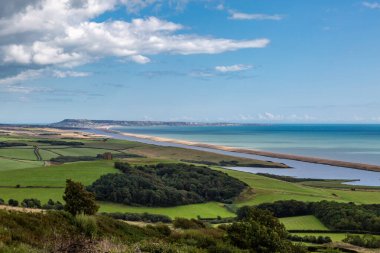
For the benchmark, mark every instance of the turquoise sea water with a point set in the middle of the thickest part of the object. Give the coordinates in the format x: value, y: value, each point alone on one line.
x: 354, y: 143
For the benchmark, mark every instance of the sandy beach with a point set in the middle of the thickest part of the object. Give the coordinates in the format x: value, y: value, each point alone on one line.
x: 360, y: 166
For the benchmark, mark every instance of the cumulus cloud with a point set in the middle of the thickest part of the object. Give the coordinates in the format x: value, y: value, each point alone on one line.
x: 63, y: 33
x: 233, y: 68
x: 255, y: 16
x: 372, y: 5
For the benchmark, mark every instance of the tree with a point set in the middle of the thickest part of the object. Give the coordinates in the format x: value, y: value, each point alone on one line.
x: 258, y: 231
x: 78, y: 200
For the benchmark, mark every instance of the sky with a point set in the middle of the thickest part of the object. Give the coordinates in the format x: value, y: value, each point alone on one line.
x: 245, y: 61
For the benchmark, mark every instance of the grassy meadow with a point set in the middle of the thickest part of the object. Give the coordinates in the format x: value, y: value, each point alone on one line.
x: 21, y: 176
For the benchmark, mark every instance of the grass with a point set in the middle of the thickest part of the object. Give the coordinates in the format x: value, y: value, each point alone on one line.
x: 85, y: 172
x: 12, y: 164
x: 80, y: 151
x: 270, y: 190
x: 18, y: 153
x: 205, y: 210
x: 303, y: 223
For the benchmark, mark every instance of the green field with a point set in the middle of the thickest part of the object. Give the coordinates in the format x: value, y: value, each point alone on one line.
x: 307, y: 222
x: 33, y: 174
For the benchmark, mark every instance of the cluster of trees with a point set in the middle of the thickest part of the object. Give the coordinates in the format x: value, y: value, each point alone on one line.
x: 34, y: 203
x: 11, y: 144
x: 310, y: 239
x: 338, y: 216
x: 61, y: 143
x: 166, y: 185
x: 144, y: 217
x: 366, y: 241
x: 70, y: 159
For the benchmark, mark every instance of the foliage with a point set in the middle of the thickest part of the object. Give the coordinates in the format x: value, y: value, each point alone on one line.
x: 70, y: 159
x: 13, y: 202
x: 145, y: 217
x: 258, y: 231
x: 310, y: 239
x: 2, y: 201
x: 61, y: 143
x: 366, y: 241
x: 166, y: 185
x: 188, y: 224
x: 338, y: 216
x: 12, y: 144
x: 78, y: 200
x: 31, y: 203
x: 51, y: 205
x: 287, y: 208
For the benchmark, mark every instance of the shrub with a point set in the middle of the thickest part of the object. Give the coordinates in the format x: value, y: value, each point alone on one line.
x: 188, y: 224
x: 13, y: 202
x: 78, y: 200
x: 31, y: 203
x: 366, y: 241
x: 2, y: 201
x: 51, y: 205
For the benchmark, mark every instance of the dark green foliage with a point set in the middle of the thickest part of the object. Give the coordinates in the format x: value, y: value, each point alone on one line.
x: 366, y: 241
x: 31, y: 203
x: 258, y: 231
x: 70, y: 159
x: 13, y: 202
x: 166, y: 185
x: 145, y: 217
x: 347, y: 216
x: 162, y: 229
x: 2, y: 201
x: 61, y: 143
x: 188, y: 224
x: 78, y: 200
x: 336, y: 216
x: 51, y: 205
x: 287, y: 208
x: 310, y: 239
x: 12, y: 144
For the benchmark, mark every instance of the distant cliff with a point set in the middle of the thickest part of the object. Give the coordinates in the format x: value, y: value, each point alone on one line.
x: 84, y: 123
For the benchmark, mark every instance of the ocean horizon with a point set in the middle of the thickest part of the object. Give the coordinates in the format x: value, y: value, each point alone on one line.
x: 345, y: 142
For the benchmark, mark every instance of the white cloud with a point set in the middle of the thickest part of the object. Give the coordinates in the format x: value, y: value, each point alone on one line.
x: 255, y: 16
x: 34, y: 74
x: 372, y: 5
x: 25, y: 75
x: 233, y: 68
x: 63, y: 33
x: 64, y: 74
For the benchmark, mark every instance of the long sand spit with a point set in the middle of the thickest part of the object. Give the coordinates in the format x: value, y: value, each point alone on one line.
x: 353, y: 165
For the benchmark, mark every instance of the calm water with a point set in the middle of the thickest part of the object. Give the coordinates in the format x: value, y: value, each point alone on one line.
x: 354, y: 143
x: 299, y: 169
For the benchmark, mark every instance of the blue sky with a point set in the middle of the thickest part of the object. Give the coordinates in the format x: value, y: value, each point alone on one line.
x: 238, y: 60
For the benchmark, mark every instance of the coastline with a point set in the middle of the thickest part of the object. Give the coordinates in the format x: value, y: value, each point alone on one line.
x: 315, y: 160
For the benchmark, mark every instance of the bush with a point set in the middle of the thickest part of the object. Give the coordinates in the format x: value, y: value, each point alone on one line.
x: 161, y: 229
x: 366, y: 241
x: 51, y: 205
x: 13, y: 202
x: 2, y: 201
x: 86, y: 224
x: 188, y: 224
x: 310, y: 238
x: 31, y: 203
x: 145, y: 217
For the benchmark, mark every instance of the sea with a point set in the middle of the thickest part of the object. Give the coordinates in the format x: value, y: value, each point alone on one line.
x: 352, y: 143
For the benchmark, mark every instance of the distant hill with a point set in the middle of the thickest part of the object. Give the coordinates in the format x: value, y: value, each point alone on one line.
x: 85, y: 123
